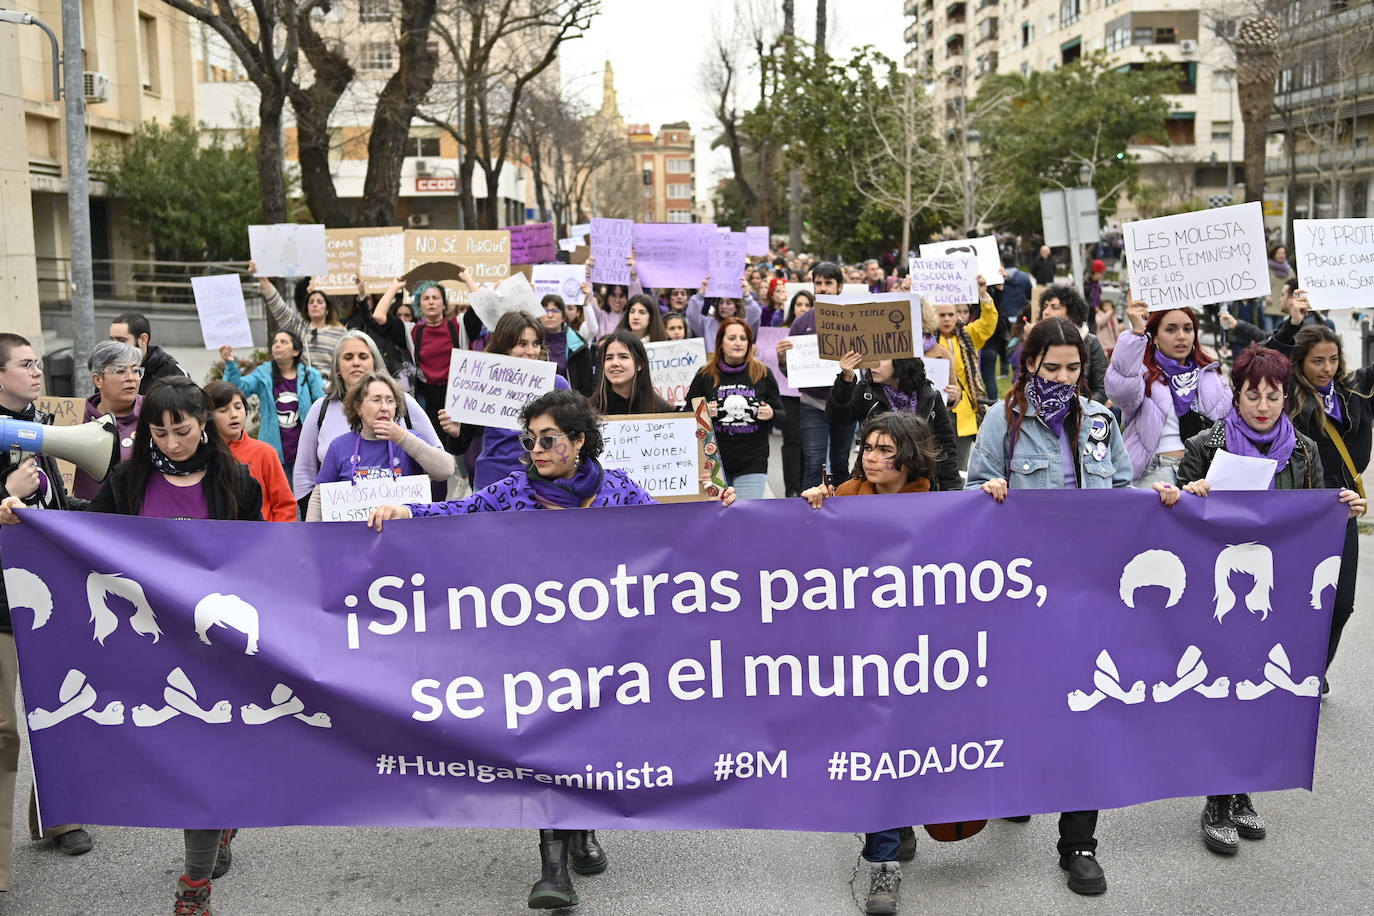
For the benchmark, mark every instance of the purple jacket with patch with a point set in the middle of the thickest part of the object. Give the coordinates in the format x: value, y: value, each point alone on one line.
x: 514, y: 494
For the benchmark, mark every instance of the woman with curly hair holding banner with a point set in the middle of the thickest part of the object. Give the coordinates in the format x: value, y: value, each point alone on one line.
x: 1048, y: 436
x: 562, y: 442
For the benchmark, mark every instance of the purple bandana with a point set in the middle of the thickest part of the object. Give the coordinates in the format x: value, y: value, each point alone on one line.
x: 1051, y: 401
x: 1278, y: 443
x: 902, y: 403
x: 1330, y: 400
x: 1183, y: 379
x: 568, y: 494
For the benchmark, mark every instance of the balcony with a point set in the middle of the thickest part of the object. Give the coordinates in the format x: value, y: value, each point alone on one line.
x: 910, y: 32
x: 956, y: 13
x: 1325, y: 160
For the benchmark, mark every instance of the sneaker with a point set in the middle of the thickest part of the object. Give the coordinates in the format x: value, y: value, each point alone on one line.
x: 1085, y: 874
x: 193, y: 897
x: 906, y: 845
x: 75, y: 842
x: 225, y: 859
x: 884, y: 883
x: 1249, y: 825
x: 1218, y: 830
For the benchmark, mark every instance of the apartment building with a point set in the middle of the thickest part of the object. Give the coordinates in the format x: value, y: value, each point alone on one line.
x: 138, y: 61
x: 667, y: 164
x: 961, y: 42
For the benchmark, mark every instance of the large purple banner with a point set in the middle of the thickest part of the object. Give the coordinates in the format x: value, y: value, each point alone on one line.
x: 909, y: 659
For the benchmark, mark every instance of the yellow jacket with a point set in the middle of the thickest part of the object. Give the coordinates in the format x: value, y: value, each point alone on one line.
x: 979, y: 332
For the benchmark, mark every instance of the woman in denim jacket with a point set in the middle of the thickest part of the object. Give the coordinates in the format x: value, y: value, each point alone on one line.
x: 1049, y: 436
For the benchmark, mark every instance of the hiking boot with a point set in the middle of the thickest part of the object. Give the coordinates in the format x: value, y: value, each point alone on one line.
x: 884, y: 884
x: 554, y: 889
x: 1085, y: 874
x: 906, y: 844
x: 225, y: 857
x: 585, y: 854
x: 75, y: 842
x: 193, y: 897
x: 1249, y: 825
x: 1218, y: 830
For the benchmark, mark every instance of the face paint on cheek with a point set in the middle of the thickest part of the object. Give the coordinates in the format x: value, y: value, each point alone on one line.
x: 562, y: 452
x: 889, y: 464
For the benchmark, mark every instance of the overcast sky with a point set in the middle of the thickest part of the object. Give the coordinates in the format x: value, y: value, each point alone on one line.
x: 657, y: 50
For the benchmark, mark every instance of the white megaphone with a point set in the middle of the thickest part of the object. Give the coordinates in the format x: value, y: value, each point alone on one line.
x: 92, y: 446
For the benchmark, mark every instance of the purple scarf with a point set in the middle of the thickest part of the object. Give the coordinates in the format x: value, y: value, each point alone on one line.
x: 1280, y: 269
x: 1183, y: 381
x: 568, y: 494
x: 1051, y: 401
x: 902, y: 403
x: 1330, y: 400
x: 733, y: 370
x: 1278, y: 443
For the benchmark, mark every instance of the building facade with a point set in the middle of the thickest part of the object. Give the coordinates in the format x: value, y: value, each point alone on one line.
x: 667, y: 164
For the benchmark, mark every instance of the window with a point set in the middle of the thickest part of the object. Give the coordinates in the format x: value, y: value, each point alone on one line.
x: 376, y: 55
x: 1070, y: 11
x: 1027, y: 34
x: 1221, y: 130
x: 422, y: 146
x: 1071, y: 51
x: 373, y: 11
x: 1285, y: 80
x: 680, y: 191
x: 148, y: 54
x: 1180, y: 129
x: 679, y: 166
x: 1225, y: 28
x: 1118, y: 39
x: 1223, y: 80
x: 679, y: 216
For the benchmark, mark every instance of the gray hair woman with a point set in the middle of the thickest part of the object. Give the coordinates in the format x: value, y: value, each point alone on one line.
x: 117, y: 372
x: 355, y: 356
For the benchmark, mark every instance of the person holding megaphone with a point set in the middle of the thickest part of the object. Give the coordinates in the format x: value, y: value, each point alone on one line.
x: 35, y: 482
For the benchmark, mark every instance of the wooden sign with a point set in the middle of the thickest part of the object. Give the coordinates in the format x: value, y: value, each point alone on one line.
x: 877, y: 326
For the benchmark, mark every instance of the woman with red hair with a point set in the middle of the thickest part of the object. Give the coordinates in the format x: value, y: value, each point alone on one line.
x: 743, y: 399
x: 1168, y: 389
x: 1257, y: 426
x: 774, y: 304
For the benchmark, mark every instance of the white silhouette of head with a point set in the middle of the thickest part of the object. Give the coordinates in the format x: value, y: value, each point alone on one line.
x: 1258, y: 562
x: 99, y: 586
x: 1154, y: 567
x: 25, y: 589
x: 1323, y: 577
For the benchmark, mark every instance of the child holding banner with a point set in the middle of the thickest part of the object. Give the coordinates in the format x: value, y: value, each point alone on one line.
x: 624, y: 385
x: 1255, y: 427
x: 743, y: 399
x: 1047, y: 436
x: 1168, y: 389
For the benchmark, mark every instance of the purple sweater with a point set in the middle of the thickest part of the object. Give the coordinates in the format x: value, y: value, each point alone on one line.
x: 1144, y: 416
x: 514, y: 494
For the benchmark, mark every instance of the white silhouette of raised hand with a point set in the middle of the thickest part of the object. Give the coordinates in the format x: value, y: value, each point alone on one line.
x: 77, y: 697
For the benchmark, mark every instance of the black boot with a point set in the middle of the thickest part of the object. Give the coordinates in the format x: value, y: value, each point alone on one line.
x: 554, y: 889
x: 585, y: 853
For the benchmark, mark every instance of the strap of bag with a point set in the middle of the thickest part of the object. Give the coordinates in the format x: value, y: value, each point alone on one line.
x: 1335, y: 436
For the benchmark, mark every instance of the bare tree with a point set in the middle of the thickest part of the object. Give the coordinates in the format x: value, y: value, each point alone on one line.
x: 577, y: 164
x: 499, y: 49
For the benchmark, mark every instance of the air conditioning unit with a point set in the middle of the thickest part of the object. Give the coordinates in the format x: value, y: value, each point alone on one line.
x: 95, y: 87
x: 1188, y: 46
x: 418, y: 221
x: 421, y: 166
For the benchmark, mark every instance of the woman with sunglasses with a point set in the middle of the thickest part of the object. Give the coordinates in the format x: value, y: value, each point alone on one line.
x: 562, y: 441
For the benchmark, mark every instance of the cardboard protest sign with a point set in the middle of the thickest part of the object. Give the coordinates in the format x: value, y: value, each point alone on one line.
x: 805, y: 368
x: 726, y: 264
x: 612, y: 240
x: 1198, y: 258
x: 351, y: 501
x: 660, y: 452
x: 766, y: 349
x: 486, y: 253
x: 532, y: 243
x: 945, y: 281
x: 669, y: 255
x: 378, y: 256
x: 288, y: 250
x: 1335, y: 261
x: 984, y: 249
x: 64, y: 412
x: 560, y: 279
x: 223, y: 314
x: 758, y: 240
x: 877, y: 326
x: 514, y: 294
x: 672, y: 366
x: 490, y: 390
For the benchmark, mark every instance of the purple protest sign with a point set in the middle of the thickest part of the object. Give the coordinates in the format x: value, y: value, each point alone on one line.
x: 880, y: 661
x: 669, y: 255
x: 726, y: 263
x: 758, y: 240
x: 766, y: 349
x: 612, y: 240
x: 532, y: 243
